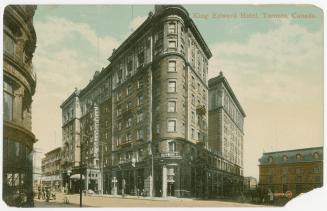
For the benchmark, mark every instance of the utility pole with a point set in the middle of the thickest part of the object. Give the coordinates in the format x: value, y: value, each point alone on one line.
x: 80, y: 175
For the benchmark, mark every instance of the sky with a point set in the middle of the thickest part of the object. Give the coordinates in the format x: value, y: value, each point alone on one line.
x: 273, y: 62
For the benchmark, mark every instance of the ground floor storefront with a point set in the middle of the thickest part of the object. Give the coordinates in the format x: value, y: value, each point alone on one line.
x: 17, y: 184
x: 171, y: 178
x: 90, y: 180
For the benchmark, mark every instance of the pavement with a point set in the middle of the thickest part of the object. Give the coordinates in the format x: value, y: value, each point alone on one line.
x: 63, y: 200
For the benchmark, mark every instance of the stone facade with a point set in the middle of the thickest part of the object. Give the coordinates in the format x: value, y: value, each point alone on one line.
x: 146, y: 116
x: 298, y: 171
x: 19, y: 43
x: 51, y: 169
x: 226, y: 119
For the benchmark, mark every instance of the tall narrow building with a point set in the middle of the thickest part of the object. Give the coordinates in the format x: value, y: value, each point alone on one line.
x: 226, y: 119
x: 19, y: 82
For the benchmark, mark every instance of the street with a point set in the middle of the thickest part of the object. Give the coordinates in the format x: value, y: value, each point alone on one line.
x: 106, y: 201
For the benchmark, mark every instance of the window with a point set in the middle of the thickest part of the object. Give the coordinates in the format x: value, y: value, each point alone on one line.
x: 118, y: 111
x: 140, y: 58
x: 171, y: 125
x: 8, y: 44
x: 7, y: 101
x: 171, y: 28
x: 192, y: 134
x: 120, y: 76
x: 128, y: 137
x: 139, y: 134
x: 139, y: 84
x: 193, y: 81
x: 118, y: 140
x: 171, y: 106
x: 171, y: 86
x: 193, y: 116
x: 119, y: 126
x: 140, y: 154
x: 128, y: 90
x: 129, y: 65
x: 285, y: 158
x: 171, y: 44
x: 298, y: 157
x: 270, y: 160
x: 172, y: 146
x: 172, y: 66
x: 118, y: 96
x: 129, y: 122
x: 193, y: 99
x: 129, y: 105
x: 139, y: 117
x: 316, y: 170
x: 140, y: 100
x: 158, y: 128
x: 316, y: 155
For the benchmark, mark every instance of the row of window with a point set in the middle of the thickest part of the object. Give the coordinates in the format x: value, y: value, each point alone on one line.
x: 128, y: 138
x: 129, y: 90
x: 298, y: 157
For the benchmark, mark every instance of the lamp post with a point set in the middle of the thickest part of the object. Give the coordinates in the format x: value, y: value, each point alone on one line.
x: 81, y: 167
x: 80, y: 174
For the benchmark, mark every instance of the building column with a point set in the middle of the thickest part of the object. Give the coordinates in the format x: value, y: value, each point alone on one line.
x: 87, y: 180
x: 164, y: 181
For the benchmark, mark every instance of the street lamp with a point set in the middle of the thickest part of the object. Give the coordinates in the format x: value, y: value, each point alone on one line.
x: 80, y: 167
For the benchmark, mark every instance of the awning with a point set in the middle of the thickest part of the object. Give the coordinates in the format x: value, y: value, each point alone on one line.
x: 76, y: 176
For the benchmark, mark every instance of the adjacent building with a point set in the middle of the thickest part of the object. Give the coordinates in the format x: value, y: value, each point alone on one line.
x: 51, y: 169
x: 70, y: 139
x: 249, y: 184
x: 298, y: 171
x: 226, y: 120
x: 144, y: 118
x: 19, y: 82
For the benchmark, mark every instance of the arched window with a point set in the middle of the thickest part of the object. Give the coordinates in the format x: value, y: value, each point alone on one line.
x: 316, y: 155
x: 285, y: 158
x: 270, y: 160
x: 298, y: 157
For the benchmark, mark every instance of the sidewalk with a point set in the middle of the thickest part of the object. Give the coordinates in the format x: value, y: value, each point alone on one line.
x: 168, y: 198
x: 73, y: 200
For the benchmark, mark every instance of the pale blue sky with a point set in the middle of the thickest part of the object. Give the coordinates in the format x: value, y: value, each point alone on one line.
x: 275, y: 66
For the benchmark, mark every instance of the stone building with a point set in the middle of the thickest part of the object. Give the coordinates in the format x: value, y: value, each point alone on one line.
x: 19, y: 82
x: 298, y: 171
x: 70, y: 139
x: 249, y: 184
x: 144, y: 117
x: 51, y: 169
x: 226, y: 119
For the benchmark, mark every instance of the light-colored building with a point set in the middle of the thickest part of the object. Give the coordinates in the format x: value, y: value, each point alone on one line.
x: 51, y: 169
x: 70, y: 139
x: 19, y: 82
x: 249, y: 184
x: 226, y: 120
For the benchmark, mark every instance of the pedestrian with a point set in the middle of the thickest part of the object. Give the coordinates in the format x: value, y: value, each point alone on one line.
x: 271, y: 197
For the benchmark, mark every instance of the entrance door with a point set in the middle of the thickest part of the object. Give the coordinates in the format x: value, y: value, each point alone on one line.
x: 171, y: 189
